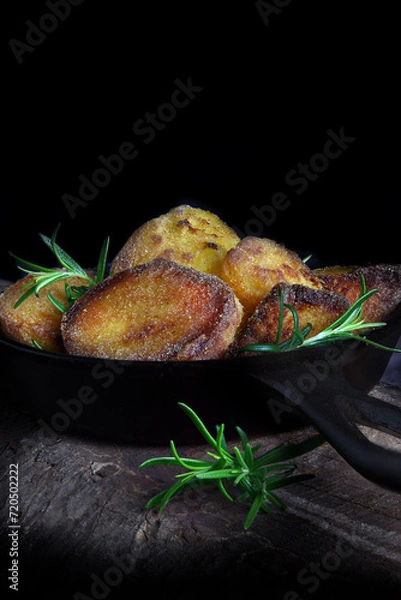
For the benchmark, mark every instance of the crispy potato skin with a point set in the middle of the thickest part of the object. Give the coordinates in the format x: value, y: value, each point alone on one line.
x: 156, y: 311
x: 347, y: 282
x: 36, y: 318
x: 189, y: 236
x: 254, y: 266
x: 320, y: 308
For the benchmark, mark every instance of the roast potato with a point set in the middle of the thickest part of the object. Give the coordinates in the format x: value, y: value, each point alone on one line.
x: 36, y: 318
x: 347, y: 282
x: 320, y: 308
x: 159, y: 310
x: 189, y: 236
x: 255, y: 265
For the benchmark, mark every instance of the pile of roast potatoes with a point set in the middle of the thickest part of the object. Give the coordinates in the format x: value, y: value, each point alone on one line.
x: 185, y: 287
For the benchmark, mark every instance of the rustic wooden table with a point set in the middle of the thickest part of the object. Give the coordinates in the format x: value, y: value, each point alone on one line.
x: 84, y: 532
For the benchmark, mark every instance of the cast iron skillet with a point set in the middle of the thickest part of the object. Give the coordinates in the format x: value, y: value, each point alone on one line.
x: 136, y: 402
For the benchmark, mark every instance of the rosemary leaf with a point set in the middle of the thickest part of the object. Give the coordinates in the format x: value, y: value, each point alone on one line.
x: 102, y: 262
x: 56, y: 303
x: 255, y: 508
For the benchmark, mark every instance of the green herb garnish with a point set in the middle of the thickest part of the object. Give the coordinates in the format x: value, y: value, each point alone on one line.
x: 344, y: 328
x: 255, y: 477
x: 68, y: 267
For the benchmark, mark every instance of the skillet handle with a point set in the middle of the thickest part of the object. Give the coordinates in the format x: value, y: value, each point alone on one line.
x: 336, y: 409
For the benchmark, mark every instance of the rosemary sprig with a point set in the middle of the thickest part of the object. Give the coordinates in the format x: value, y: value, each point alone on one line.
x: 68, y: 267
x: 344, y: 328
x: 255, y: 477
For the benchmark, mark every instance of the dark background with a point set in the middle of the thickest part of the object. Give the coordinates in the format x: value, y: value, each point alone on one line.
x: 271, y: 93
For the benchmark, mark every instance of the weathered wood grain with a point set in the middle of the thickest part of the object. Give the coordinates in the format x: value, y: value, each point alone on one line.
x: 82, y: 501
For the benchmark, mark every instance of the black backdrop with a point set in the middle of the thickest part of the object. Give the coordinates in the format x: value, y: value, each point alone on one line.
x: 269, y: 89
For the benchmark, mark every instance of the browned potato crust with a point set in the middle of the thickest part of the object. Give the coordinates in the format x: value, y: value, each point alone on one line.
x: 36, y: 318
x: 156, y: 311
x: 189, y: 236
x: 256, y: 265
x: 347, y: 282
x: 320, y: 308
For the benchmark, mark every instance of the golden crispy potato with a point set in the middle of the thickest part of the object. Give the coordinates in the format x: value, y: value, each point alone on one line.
x: 347, y: 282
x: 256, y: 265
x: 189, y: 236
x: 36, y: 318
x: 320, y: 308
x: 156, y: 311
